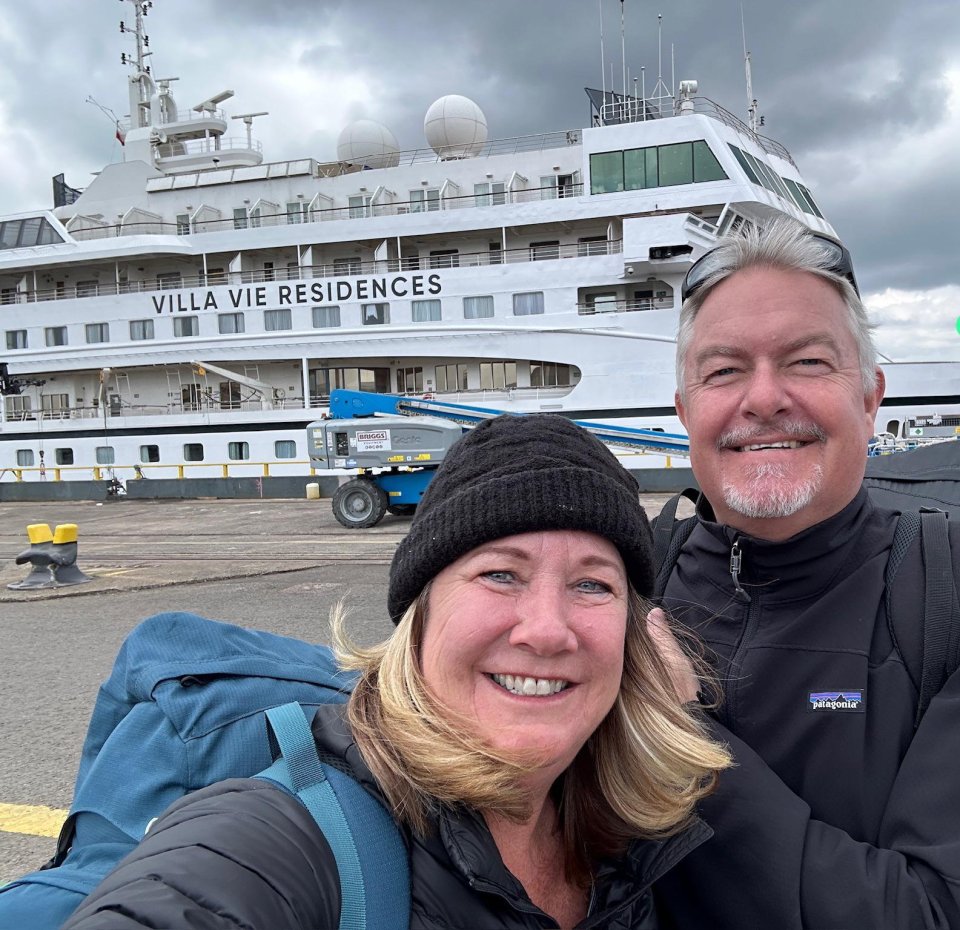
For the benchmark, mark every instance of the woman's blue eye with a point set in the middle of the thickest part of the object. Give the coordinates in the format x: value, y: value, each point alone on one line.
x: 500, y: 576
x: 593, y: 587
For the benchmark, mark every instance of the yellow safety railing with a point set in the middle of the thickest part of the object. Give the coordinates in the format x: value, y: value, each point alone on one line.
x: 133, y: 472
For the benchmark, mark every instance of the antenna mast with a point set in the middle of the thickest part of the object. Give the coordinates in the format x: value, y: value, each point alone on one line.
x: 603, y: 57
x: 751, y: 100
x: 623, y: 47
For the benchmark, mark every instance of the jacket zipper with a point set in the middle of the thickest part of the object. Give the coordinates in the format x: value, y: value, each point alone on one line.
x: 727, y: 711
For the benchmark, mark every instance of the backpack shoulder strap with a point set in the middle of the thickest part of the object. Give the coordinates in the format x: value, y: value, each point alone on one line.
x: 669, y: 536
x: 374, y: 872
x: 937, y: 658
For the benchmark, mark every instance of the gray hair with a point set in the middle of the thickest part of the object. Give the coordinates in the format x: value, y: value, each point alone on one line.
x: 786, y: 244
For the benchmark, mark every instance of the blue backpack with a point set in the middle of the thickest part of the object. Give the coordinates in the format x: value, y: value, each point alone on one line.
x: 190, y: 702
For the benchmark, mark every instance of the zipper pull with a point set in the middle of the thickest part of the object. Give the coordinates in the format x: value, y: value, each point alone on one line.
x: 736, y: 561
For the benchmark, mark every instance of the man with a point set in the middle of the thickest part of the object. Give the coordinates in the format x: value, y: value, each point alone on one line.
x: 839, y: 815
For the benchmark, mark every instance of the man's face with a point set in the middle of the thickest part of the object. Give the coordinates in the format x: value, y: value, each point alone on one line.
x: 774, y: 402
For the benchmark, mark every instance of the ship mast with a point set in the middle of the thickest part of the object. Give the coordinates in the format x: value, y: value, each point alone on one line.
x: 142, y: 87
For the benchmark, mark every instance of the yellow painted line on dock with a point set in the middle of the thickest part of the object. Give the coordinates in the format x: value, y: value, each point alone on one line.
x: 31, y: 820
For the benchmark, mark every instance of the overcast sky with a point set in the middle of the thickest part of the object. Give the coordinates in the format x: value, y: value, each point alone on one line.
x: 864, y: 93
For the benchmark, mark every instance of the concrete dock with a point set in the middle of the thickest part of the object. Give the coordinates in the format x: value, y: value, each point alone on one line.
x: 279, y: 565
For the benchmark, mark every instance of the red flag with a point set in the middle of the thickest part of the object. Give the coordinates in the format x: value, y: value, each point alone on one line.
x: 121, y: 135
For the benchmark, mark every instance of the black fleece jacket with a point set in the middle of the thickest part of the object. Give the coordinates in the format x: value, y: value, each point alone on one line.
x: 838, y: 815
x: 244, y: 854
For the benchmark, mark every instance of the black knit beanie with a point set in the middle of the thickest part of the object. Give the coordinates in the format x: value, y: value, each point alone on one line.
x: 521, y: 474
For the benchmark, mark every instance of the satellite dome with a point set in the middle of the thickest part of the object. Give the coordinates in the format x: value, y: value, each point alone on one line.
x: 455, y: 127
x: 368, y: 143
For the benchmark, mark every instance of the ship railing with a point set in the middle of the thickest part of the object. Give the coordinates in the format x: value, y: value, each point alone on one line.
x: 208, y: 146
x: 624, y: 306
x: 177, y: 281
x: 126, y: 409
x: 145, y: 471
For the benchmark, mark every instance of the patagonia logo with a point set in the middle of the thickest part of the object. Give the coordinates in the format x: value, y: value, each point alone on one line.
x: 849, y: 701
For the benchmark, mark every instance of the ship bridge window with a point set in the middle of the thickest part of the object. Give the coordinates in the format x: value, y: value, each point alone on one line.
x: 35, y: 230
x: 186, y: 325
x: 654, y: 166
x: 426, y: 311
x: 97, y: 332
x: 477, y: 308
x: 285, y: 449
x: 528, y: 304
x: 105, y: 455
x: 16, y: 338
x: 490, y: 193
x: 141, y: 330
x: 276, y: 320
x: 326, y: 317
x: 450, y: 378
x: 498, y: 376
x: 230, y: 323
x: 375, y: 314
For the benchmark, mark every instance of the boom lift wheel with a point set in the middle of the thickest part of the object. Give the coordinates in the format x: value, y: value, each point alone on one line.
x: 359, y: 503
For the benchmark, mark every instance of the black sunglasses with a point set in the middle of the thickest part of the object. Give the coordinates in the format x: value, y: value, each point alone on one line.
x: 840, y: 263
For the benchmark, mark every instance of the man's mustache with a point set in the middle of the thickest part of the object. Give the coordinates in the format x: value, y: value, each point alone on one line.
x: 805, y: 430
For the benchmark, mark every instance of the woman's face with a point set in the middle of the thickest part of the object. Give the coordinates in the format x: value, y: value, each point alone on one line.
x: 524, y: 640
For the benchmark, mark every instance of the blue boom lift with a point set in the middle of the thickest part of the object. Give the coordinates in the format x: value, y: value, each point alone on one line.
x: 394, y: 445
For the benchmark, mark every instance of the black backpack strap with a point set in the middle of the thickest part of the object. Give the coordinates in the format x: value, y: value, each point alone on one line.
x: 936, y: 659
x: 669, y: 536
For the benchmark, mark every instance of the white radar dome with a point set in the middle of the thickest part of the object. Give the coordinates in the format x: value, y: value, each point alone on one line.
x: 368, y: 143
x: 455, y: 127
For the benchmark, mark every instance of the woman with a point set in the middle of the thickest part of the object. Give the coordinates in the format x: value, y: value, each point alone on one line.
x: 519, y: 723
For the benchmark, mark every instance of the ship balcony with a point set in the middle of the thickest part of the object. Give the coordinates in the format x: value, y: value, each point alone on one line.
x: 594, y: 307
x: 183, y: 156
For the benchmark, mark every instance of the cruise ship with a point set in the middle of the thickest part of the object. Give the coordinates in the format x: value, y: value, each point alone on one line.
x: 190, y: 311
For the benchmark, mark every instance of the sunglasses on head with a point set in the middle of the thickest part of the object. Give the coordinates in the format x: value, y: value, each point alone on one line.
x: 706, y: 265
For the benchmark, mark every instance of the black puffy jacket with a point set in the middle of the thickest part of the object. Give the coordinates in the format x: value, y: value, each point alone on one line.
x: 244, y: 854
x: 838, y: 815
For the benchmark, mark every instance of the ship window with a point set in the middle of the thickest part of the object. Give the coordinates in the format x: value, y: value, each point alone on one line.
x: 193, y: 451
x: 495, y: 250
x: 426, y: 311
x: 422, y: 201
x: 63, y: 456
x: 297, y: 212
x: 490, y: 193
x: 183, y: 224
x: 528, y: 304
x: 240, y: 218
x: 16, y: 338
x: 238, y: 451
x: 410, y: 380
x: 445, y: 258
x: 105, y: 455
x: 276, y: 320
x: 477, y: 308
x: 25, y: 458
x: 150, y: 454
x: 169, y: 280
x: 676, y: 164
x: 345, y: 266
x: 606, y: 172
x: 27, y: 232
x: 285, y: 449
x: 269, y: 272
x: 18, y: 407
x: 548, y: 187
x: 705, y: 164
x: 592, y: 245
x: 191, y: 396
x: 374, y: 314
x: 498, y: 376
x: 747, y: 167
x: 98, y: 332
x: 87, y: 288
x: 551, y: 374
x: 760, y: 170
x: 796, y: 194
x: 55, y: 405
x: 326, y: 317
x: 450, y: 378
x: 230, y: 323
x: 188, y: 325
x: 539, y: 251
x: 230, y: 397
x: 811, y: 201
x: 214, y: 276
x: 359, y: 205
x: 141, y: 330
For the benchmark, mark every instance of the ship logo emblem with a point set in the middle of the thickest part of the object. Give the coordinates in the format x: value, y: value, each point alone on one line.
x: 848, y: 700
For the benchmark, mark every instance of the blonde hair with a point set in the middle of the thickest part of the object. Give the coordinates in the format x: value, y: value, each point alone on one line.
x: 639, y: 775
